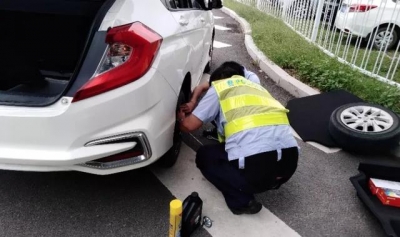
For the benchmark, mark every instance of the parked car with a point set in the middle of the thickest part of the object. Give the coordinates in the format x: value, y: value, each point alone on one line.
x: 306, y: 9
x: 93, y: 85
x: 371, y: 19
x: 299, y: 9
x: 329, y: 12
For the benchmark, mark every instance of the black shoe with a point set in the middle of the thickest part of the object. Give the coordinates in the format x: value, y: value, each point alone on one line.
x: 211, y: 134
x: 253, y: 208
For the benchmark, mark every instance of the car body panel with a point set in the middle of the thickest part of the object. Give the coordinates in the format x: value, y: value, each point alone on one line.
x: 192, y: 32
x: 53, y: 138
x: 57, y: 134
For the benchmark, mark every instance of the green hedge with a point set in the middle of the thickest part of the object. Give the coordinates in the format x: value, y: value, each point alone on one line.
x: 308, y: 63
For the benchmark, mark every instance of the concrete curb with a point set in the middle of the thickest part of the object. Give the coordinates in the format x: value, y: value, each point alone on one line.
x: 243, y: 23
x: 277, y: 74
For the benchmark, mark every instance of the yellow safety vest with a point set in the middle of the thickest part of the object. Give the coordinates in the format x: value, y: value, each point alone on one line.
x: 247, y: 105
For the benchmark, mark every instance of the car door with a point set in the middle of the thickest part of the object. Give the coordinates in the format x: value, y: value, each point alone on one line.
x: 190, y: 17
x: 207, y: 19
x: 207, y: 24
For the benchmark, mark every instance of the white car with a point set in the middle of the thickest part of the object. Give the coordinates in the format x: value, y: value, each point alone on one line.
x: 375, y: 19
x: 305, y: 9
x: 93, y: 85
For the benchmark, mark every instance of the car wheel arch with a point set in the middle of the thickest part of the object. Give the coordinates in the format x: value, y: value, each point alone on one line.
x: 383, y: 25
x: 396, y: 27
x: 207, y: 69
x: 170, y: 157
x: 186, y: 86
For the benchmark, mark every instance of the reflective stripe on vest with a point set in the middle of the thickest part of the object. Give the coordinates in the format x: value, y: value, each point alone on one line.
x: 247, y: 105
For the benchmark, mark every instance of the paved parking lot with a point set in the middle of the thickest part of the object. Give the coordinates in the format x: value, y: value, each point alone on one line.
x: 318, y: 201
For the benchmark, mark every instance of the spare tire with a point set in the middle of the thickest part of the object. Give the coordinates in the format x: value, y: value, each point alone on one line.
x: 364, y: 128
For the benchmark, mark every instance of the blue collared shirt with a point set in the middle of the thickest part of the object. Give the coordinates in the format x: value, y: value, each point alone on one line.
x: 248, y: 142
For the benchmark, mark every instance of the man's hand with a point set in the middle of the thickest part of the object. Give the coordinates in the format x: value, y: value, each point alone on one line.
x: 189, y: 123
x: 180, y: 115
x: 197, y: 92
x: 188, y: 107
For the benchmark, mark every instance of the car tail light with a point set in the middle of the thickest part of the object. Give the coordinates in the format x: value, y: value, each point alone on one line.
x: 130, y: 54
x: 361, y: 7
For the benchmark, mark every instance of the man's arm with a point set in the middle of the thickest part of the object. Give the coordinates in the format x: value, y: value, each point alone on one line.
x: 197, y: 92
x: 189, y: 123
x: 206, y: 111
x: 251, y: 76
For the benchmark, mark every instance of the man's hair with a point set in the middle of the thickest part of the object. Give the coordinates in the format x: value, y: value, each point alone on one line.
x: 227, y: 70
x: 234, y: 65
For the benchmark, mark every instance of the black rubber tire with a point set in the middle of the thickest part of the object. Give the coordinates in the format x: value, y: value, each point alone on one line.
x: 362, y: 142
x: 171, y: 156
x: 207, y: 69
x: 395, y: 37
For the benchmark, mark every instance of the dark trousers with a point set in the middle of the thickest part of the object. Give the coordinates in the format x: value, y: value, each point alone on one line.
x: 262, y: 172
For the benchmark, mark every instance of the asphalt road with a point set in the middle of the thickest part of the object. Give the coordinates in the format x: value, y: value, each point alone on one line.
x: 318, y: 201
x: 133, y: 203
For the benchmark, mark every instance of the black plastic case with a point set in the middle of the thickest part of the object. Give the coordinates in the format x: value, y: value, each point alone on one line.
x: 388, y: 216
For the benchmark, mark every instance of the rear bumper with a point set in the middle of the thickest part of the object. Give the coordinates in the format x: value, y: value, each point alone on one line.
x: 341, y: 22
x: 56, y: 138
x: 93, y: 167
x: 351, y: 23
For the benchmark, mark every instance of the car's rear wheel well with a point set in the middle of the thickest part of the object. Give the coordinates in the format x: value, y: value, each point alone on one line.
x: 170, y: 157
x: 396, y: 28
x: 186, y: 86
x: 371, y: 36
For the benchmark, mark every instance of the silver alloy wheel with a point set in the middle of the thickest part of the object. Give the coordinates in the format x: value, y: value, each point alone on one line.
x: 383, y: 38
x: 367, y: 119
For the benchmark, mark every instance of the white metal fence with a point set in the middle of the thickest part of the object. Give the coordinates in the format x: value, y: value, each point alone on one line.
x: 362, y: 33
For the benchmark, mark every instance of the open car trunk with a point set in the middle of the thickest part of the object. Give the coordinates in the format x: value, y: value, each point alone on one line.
x: 41, y: 45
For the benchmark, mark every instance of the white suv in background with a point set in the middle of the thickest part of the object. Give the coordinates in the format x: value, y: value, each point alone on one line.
x: 93, y: 85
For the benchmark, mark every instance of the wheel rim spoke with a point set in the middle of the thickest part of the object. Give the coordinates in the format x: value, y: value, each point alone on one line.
x: 356, y: 125
x: 351, y: 120
x: 348, y: 114
x: 381, y: 123
x: 384, y: 118
x: 376, y: 113
x: 365, y: 110
x: 365, y: 127
x: 354, y: 110
x: 376, y: 127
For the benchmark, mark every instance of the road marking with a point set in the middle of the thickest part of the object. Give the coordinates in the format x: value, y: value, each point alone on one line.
x: 218, y: 17
x: 328, y: 150
x: 184, y: 178
x: 220, y: 45
x: 218, y: 27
